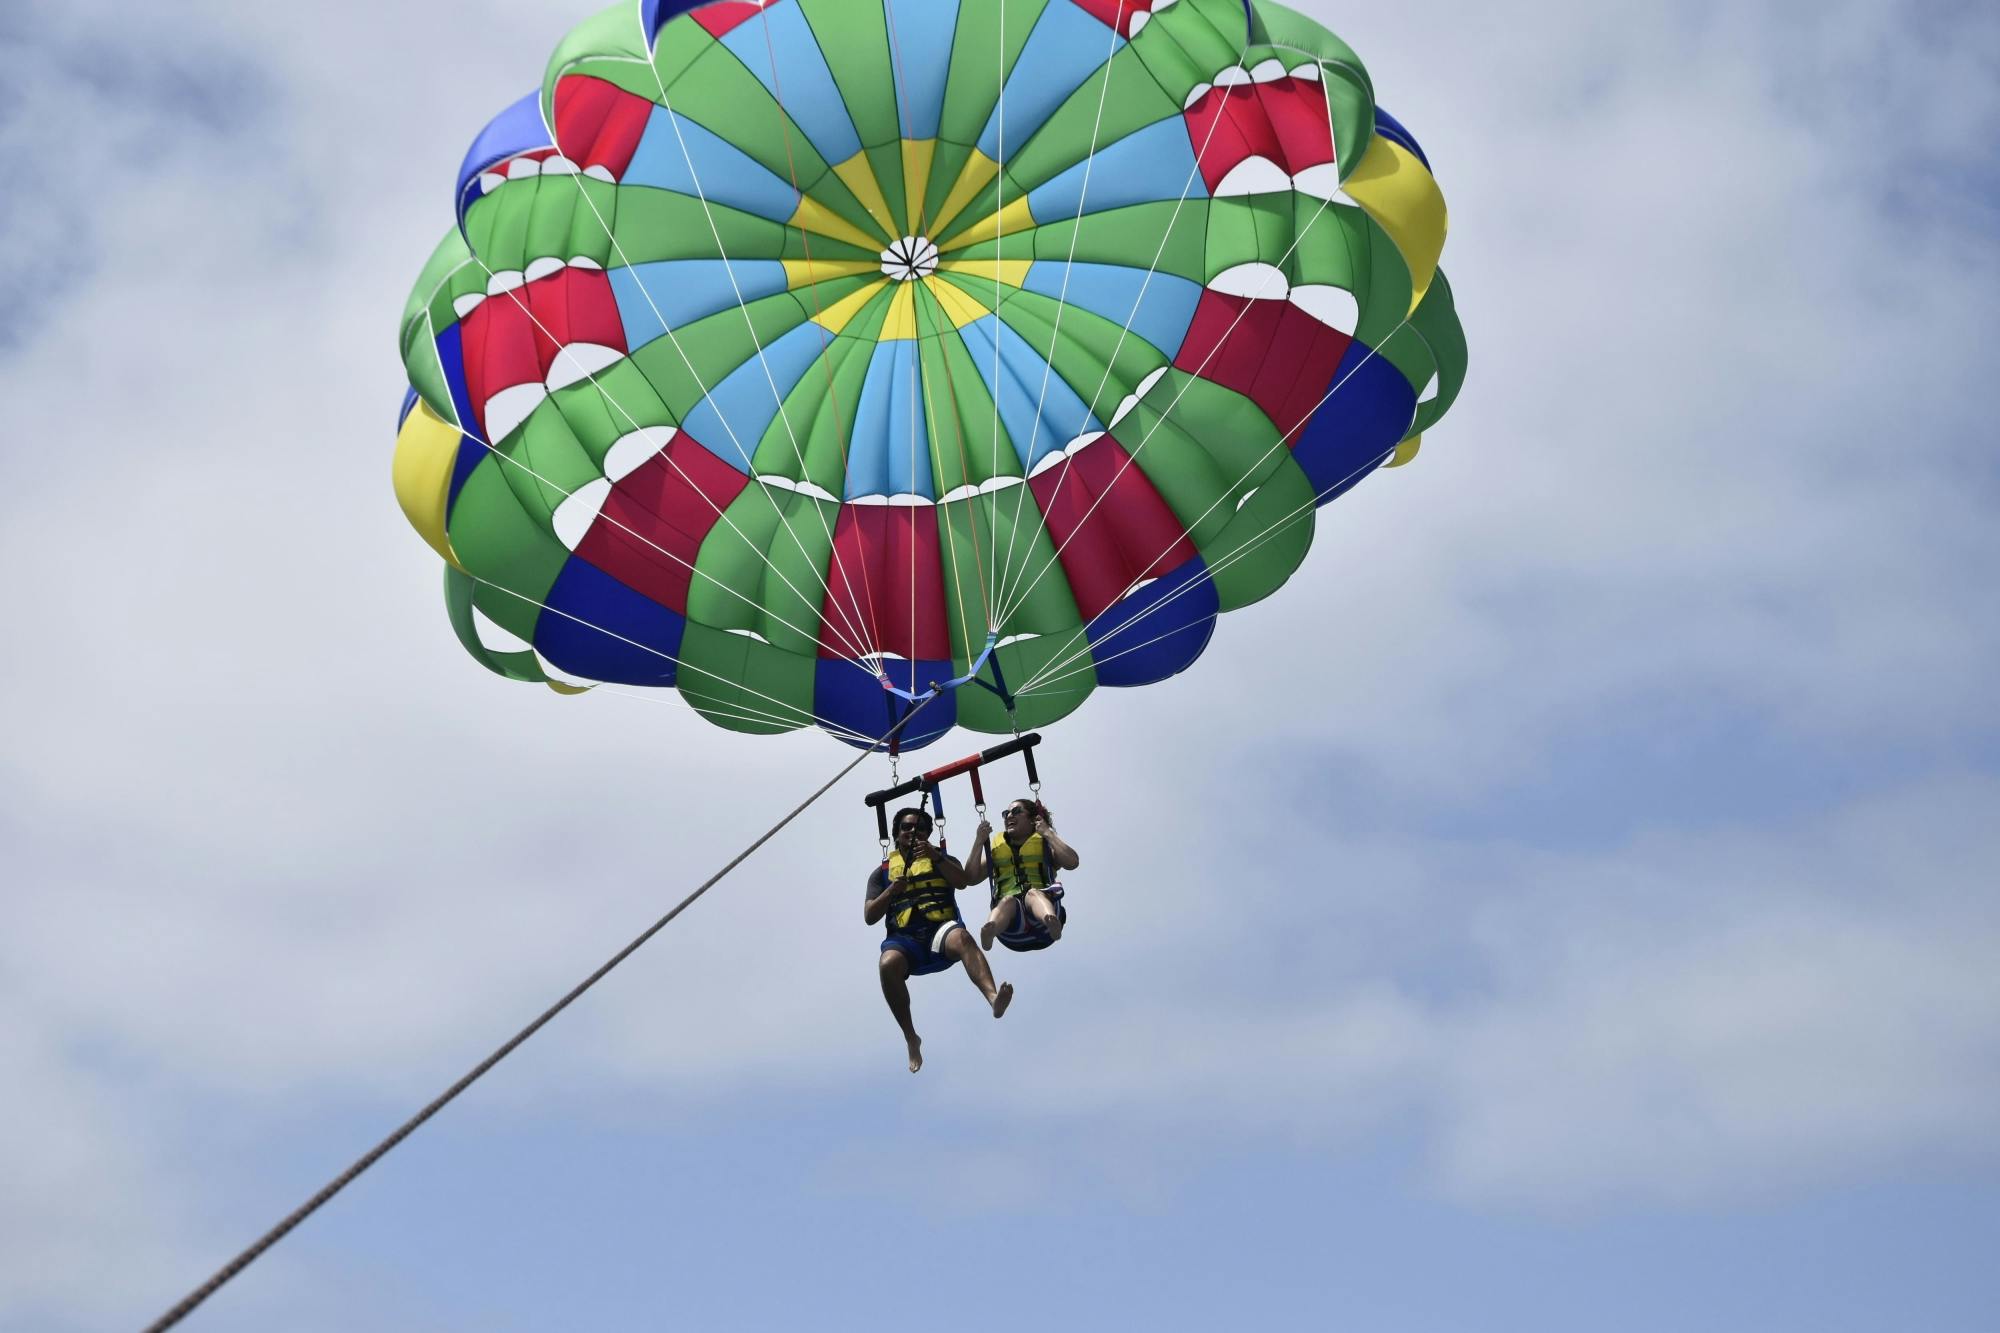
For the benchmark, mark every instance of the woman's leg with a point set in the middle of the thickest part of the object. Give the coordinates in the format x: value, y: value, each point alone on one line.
x: 1043, y: 909
x: 1001, y: 918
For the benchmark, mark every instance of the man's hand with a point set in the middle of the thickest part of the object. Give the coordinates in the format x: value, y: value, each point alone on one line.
x: 984, y: 832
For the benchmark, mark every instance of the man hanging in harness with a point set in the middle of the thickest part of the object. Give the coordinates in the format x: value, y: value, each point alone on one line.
x: 915, y: 890
x: 1028, y: 911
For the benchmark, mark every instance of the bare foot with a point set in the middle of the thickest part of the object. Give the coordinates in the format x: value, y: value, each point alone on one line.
x: 916, y: 1045
x: 1054, y: 925
x: 986, y: 934
x: 1002, y: 998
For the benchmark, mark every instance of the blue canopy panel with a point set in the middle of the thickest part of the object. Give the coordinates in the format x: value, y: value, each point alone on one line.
x: 654, y: 14
x: 845, y: 695
x: 666, y: 295
x: 1358, y: 426
x: 1031, y: 382
x: 680, y: 155
x: 1150, y: 165
x: 1157, y: 631
x: 801, y: 84
x: 731, y: 421
x: 923, y: 35
x: 595, y: 627
x: 1392, y: 129
x: 1158, y: 309
x: 471, y: 452
x: 518, y: 129
x: 1066, y: 48
x: 889, y: 448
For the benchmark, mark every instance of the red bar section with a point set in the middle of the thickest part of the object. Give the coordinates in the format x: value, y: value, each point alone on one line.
x: 655, y: 520
x: 1278, y: 356
x: 722, y: 18
x: 1129, y: 535
x: 1297, y: 113
x: 515, y: 337
x: 1226, y: 125
x: 888, y: 583
x: 599, y: 124
x: 1115, y: 13
x: 1285, y: 120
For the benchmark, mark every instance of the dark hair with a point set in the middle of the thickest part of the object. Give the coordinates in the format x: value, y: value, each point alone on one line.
x: 1035, y: 808
x: 896, y: 824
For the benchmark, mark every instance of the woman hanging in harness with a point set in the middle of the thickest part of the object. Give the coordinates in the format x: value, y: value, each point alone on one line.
x: 1023, y: 859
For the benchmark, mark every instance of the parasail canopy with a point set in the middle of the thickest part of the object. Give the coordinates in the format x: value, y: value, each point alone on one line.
x: 801, y: 355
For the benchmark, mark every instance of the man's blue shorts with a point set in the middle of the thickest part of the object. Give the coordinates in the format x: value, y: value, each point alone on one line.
x: 925, y: 952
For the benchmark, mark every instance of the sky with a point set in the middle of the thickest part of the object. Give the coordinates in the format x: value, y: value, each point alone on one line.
x: 1601, y: 933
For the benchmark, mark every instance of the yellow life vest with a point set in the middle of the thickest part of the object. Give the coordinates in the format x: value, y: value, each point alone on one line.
x: 927, y: 897
x: 1018, y: 870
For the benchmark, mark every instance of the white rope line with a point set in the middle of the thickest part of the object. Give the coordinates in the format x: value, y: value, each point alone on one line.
x: 999, y: 325
x: 1043, y: 678
x: 1373, y: 352
x: 937, y: 455
x: 805, y: 714
x: 466, y: 430
x: 854, y: 645
x: 827, y: 337
x: 291, y: 1221
x: 1009, y: 602
x: 919, y: 295
x: 1133, y: 457
x: 1062, y: 299
x: 671, y: 699
x: 750, y: 326
x: 916, y: 390
x: 1280, y: 521
x: 851, y: 653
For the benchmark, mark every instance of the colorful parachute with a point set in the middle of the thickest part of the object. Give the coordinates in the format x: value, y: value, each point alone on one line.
x: 795, y: 353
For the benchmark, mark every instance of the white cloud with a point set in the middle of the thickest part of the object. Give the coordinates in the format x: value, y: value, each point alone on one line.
x: 276, y: 842
x: 1681, y: 1018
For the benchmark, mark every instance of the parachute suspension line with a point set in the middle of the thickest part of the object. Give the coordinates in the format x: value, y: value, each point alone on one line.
x: 506, y: 1048
x: 931, y: 421
x: 1045, y: 679
x: 1008, y: 602
x: 826, y: 339
x: 1132, y: 459
x: 1269, y: 530
x: 999, y: 327
x: 1066, y: 656
x: 965, y: 473
x: 1062, y: 298
x: 851, y: 653
x: 637, y: 536
x: 918, y: 299
x: 902, y: 111
x: 750, y: 326
x: 792, y: 713
x: 741, y: 713
x: 854, y: 645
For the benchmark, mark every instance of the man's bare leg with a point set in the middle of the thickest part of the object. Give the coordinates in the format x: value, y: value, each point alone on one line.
x: 895, y: 973
x: 1043, y: 909
x: 959, y: 944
